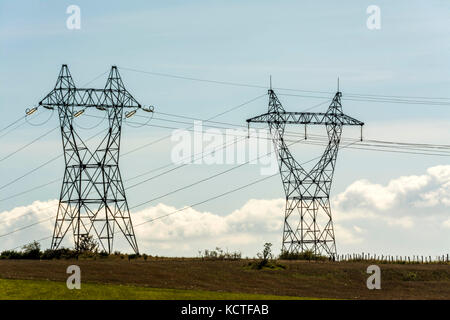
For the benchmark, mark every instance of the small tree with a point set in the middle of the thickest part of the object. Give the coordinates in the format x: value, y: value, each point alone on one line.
x: 32, y: 250
x: 87, y: 244
x: 264, y: 260
x: 267, y: 252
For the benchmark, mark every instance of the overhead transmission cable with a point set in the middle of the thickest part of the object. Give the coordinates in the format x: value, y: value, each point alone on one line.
x: 40, y: 166
x: 369, y: 97
x: 226, y: 193
x: 200, y: 181
x: 371, y: 147
x: 12, y: 123
x: 214, y: 117
x: 140, y: 147
x: 28, y: 144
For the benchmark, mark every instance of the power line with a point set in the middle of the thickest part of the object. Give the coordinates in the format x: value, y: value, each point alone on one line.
x: 207, y: 178
x: 39, y: 167
x: 12, y: 123
x: 218, y: 115
x: 195, y: 183
x: 406, y: 145
x: 30, y: 190
x: 12, y: 129
x: 140, y: 175
x: 184, y: 164
x: 40, y: 240
x: 25, y: 116
x: 206, y: 120
x: 227, y: 193
x: 380, y: 100
x: 190, y: 206
x: 294, y: 134
x: 28, y: 144
x: 405, y: 99
x: 391, y: 144
x: 172, y: 192
x: 30, y: 172
x: 214, y: 117
x: 189, y: 78
x: 141, y: 147
x: 311, y: 143
x: 27, y: 226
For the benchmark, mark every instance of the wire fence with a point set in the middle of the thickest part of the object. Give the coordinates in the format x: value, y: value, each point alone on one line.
x: 414, y: 259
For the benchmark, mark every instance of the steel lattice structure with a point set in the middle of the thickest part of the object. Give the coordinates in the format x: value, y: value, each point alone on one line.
x: 307, y: 193
x: 92, y: 199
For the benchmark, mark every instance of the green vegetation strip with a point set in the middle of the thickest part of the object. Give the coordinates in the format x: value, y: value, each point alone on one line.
x: 52, y: 290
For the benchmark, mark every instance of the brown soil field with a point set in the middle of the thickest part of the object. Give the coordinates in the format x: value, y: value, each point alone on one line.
x: 341, y: 280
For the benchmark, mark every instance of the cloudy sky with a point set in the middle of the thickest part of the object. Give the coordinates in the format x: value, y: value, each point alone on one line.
x: 385, y: 203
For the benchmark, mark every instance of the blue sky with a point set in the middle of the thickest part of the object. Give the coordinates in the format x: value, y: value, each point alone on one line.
x: 302, y: 45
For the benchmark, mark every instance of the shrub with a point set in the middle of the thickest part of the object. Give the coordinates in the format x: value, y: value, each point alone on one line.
x: 133, y: 256
x: 87, y: 244
x: 103, y: 254
x: 265, y: 260
x: 31, y: 251
x: 62, y: 253
x: 267, y: 252
x: 305, y: 255
x: 219, y: 254
x: 265, y: 264
x: 410, y: 276
x: 11, y: 254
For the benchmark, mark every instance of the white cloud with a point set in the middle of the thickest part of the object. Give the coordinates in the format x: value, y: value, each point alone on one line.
x: 178, y: 232
x: 446, y: 223
x: 440, y: 173
x: 400, y: 202
x: 363, y: 211
x: 24, y: 215
x: 244, y: 229
x: 404, y: 222
x: 347, y: 236
x: 255, y: 216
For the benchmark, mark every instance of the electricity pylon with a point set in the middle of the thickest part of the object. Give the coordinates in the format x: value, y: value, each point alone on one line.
x: 92, y: 200
x: 307, y: 193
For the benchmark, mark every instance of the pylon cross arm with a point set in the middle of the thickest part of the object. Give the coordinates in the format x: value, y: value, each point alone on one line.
x: 313, y: 118
x: 89, y: 98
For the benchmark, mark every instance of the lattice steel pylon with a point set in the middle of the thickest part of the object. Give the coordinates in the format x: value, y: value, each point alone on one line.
x: 307, y: 193
x: 92, y: 199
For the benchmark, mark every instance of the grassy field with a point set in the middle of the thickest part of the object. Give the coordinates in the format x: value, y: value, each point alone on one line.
x: 198, y: 279
x: 54, y: 290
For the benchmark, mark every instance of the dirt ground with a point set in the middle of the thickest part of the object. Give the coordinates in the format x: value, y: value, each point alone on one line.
x: 343, y: 280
